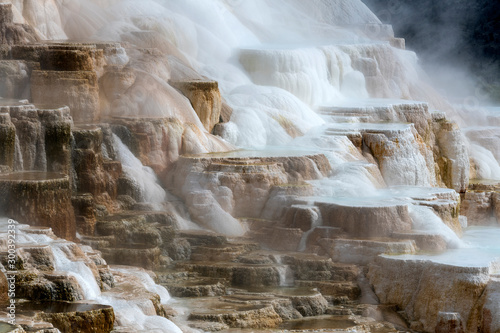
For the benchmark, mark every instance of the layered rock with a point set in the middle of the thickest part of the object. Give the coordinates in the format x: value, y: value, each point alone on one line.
x: 44, y: 136
x: 435, y: 144
x: 216, y: 186
x: 70, y: 317
x: 15, y: 78
x: 423, y: 289
x: 481, y: 203
x: 452, y: 158
x: 205, y: 99
x: 134, y: 238
x: 14, y: 33
x: 78, y: 90
x: 61, y: 283
x: 8, y: 141
x: 43, y: 199
x: 366, y: 220
x: 159, y: 142
x: 250, y: 316
x: 97, y: 177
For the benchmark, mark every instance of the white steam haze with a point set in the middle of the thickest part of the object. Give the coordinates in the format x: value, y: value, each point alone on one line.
x: 276, y: 63
x: 281, y: 65
x: 458, y: 43
x: 214, y: 36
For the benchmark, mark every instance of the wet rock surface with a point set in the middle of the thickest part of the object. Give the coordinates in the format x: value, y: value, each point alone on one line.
x: 39, y: 197
x: 71, y: 317
x: 88, y: 128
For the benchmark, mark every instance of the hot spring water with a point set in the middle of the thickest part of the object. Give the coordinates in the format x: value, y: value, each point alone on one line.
x: 276, y: 63
x: 282, y: 60
x: 127, y: 312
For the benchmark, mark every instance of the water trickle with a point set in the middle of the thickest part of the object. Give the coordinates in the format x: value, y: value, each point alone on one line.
x: 77, y: 268
x: 275, y: 62
x: 317, y: 221
x: 18, y: 156
x: 139, y: 314
x: 147, y: 281
x: 425, y: 220
x: 143, y: 177
x: 285, y: 275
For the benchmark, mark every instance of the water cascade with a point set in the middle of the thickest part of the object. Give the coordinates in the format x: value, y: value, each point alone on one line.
x: 234, y: 165
x: 147, y: 184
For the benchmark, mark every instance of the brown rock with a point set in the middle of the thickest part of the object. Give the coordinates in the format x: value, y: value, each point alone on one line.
x: 424, y: 242
x: 57, y: 130
x: 29, y: 52
x: 424, y: 288
x: 312, y: 267
x: 84, y: 208
x: 66, y: 60
x: 78, y: 90
x: 314, y: 238
x: 205, y: 99
x: 12, y: 33
x: 225, y: 112
x: 478, y: 207
x: 40, y: 199
x: 249, y: 316
x: 285, y: 239
x: 94, y: 174
x: 198, y: 287
x: 7, y: 141
x: 367, y: 220
x: 139, y: 255
x: 47, y: 286
x: 496, y: 204
x: 449, y: 322
x: 237, y: 273
x: 37, y: 256
x: 302, y: 216
x: 77, y: 317
x: 333, y: 289
x: 15, y: 78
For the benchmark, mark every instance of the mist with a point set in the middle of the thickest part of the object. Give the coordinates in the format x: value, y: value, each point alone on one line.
x: 457, y: 42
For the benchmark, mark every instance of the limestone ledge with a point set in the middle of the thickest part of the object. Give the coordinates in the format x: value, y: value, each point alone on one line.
x: 423, y: 289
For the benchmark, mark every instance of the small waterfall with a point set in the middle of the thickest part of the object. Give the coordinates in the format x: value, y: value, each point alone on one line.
x: 147, y: 282
x: 425, y: 220
x: 76, y: 268
x: 284, y: 271
x: 138, y: 315
x: 132, y: 316
x: 286, y: 275
x: 18, y: 156
x: 486, y: 164
x: 144, y: 177
x: 318, y: 221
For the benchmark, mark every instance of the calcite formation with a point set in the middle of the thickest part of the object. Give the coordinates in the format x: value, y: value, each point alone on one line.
x: 424, y: 289
x: 42, y: 198
x: 481, y: 204
x: 76, y: 89
x: 8, y: 139
x: 127, y: 148
x: 14, y: 33
x: 205, y: 98
x: 78, y: 316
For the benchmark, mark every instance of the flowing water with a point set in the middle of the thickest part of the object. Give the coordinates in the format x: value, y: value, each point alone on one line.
x: 139, y: 316
x: 282, y: 66
x: 144, y: 178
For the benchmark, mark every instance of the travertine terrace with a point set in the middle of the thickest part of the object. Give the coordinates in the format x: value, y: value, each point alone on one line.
x: 183, y: 166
